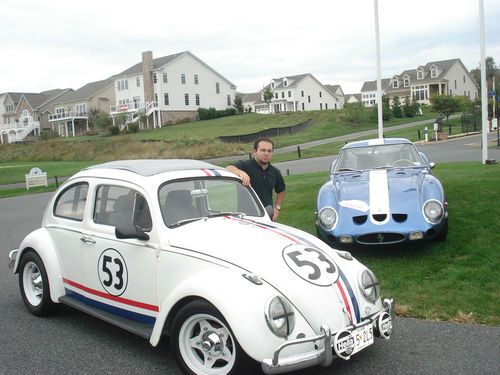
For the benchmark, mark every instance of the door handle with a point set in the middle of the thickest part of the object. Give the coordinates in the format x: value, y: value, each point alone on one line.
x: 87, y: 239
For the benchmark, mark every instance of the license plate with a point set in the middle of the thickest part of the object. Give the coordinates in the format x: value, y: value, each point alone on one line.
x: 363, y: 337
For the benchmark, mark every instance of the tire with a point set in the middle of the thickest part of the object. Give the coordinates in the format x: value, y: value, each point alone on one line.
x: 34, y: 285
x: 203, y: 342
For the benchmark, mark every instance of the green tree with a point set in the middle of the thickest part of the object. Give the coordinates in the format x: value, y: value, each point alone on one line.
x: 491, y: 71
x: 446, y: 104
x: 397, y: 111
x: 92, y: 114
x: 354, y: 112
x: 238, y: 104
x: 102, y: 120
x: 386, y: 110
x: 268, y: 96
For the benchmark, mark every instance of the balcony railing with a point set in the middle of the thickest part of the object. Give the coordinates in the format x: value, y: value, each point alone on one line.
x: 67, y: 115
x: 132, y: 107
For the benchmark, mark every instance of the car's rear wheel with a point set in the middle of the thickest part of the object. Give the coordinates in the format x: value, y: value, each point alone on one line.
x: 34, y: 285
x: 203, y: 342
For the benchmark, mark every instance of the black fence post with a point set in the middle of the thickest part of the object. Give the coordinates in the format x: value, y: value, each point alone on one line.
x: 449, y: 129
x: 298, y: 151
x: 418, y: 131
x: 57, y: 183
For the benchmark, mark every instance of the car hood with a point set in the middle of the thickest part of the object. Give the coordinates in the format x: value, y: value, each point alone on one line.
x: 381, y: 191
x: 279, y: 255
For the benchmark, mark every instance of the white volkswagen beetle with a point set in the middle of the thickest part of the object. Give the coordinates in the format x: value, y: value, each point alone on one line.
x: 181, y: 247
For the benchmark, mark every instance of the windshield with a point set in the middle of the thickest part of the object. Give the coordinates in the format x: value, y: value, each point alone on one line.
x: 379, y: 156
x: 185, y: 201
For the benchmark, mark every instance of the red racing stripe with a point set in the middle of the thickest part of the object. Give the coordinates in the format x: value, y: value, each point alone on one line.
x: 98, y: 293
x: 207, y: 172
x: 267, y: 228
x: 344, y: 297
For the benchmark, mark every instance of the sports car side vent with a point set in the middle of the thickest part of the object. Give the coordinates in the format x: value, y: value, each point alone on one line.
x: 399, y: 218
x: 361, y: 219
x: 379, y: 217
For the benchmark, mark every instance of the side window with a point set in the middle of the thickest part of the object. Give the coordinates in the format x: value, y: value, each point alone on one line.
x: 116, y: 205
x: 71, y: 202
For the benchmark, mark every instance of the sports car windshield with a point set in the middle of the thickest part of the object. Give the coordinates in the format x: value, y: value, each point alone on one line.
x: 185, y: 201
x: 378, y: 156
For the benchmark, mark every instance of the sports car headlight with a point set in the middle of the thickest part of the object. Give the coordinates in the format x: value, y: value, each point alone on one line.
x: 280, y: 316
x: 368, y: 284
x: 433, y: 211
x: 327, y: 218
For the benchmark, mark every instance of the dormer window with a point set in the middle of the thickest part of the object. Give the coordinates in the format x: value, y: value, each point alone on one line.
x: 406, y: 82
x: 434, y: 73
x: 272, y: 85
x: 395, y: 84
x: 420, y: 74
x: 285, y: 83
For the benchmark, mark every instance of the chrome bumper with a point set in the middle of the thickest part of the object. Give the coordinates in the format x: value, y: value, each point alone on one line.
x: 323, y: 356
x: 12, y: 259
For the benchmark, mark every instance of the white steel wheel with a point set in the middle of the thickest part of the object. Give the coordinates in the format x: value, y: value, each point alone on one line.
x: 203, y: 341
x: 34, y: 284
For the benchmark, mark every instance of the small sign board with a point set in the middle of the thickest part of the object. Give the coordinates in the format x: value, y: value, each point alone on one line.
x: 36, y: 178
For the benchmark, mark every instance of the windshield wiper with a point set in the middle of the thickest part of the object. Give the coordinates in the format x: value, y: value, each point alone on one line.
x: 185, y: 221
x: 226, y: 213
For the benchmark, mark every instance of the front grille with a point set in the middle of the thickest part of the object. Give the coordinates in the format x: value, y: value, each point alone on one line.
x: 379, y: 217
x: 380, y: 238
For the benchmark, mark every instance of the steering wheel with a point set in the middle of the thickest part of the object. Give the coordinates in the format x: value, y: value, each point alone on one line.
x: 402, y: 163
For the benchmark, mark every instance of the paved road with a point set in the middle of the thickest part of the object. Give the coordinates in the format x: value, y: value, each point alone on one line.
x: 71, y: 342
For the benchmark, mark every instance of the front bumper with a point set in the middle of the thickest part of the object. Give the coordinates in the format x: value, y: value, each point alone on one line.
x: 12, y: 259
x: 325, y: 341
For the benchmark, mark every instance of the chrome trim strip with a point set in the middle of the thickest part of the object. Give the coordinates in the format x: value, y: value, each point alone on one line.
x: 12, y: 259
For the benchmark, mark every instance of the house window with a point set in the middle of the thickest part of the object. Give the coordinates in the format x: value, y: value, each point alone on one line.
x: 217, y: 88
x: 434, y: 73
x: 420, y: 74
x: 81, y: 109
x: 196, y: 79
x: 302, y: 93
x: 455, y: 84
x: 166, y: 99
x: 183, y: 78
x: 138, y: 81
x: 320, y: 94
x: 186, y: 99
x: 451, y: 92
x: 303, y: 106
x: 229, y: 100
x: 464, y: 79
x: 276, y: 95
x: 289, y: 94
x: 320, y: 106
x: 326, y: 105
x: 197, y: 99
x: 282, y: 94
x: 122, y: 84
x: 406, y: 82
x: 419, y: 92
x: 395, y: 84
x: 272, y: 85
x: 165, y: 78
x: 9, y: 108
x: 285, y: 83
x: 155, y: 78
x: 309, y: 98
x: 156, y: 98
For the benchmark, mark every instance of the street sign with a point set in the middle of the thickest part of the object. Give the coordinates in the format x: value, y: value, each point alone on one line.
x: 492, y: 93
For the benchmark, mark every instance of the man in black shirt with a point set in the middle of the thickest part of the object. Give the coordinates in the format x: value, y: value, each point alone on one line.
x: 261, y: 175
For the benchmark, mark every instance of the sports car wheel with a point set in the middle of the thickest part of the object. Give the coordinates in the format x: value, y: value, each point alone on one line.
x: 34, y: 285
x: 203, y: 342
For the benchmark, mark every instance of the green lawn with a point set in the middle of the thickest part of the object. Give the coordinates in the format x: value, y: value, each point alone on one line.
x: 453, y: 280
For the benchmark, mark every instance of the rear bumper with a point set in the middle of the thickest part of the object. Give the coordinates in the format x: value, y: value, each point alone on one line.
x: 326, y: 342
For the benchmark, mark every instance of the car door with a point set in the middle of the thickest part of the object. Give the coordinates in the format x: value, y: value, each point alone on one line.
x: 121, y: 274
x: 65, y: 227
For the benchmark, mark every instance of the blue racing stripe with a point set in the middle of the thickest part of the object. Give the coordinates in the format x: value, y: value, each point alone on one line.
x: 215, y: 172
x: 112, y: 309
x: 351, y: 294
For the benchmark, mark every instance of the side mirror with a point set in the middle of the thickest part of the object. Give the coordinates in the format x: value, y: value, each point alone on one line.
x: 130, y: 231
x: 432, y: 165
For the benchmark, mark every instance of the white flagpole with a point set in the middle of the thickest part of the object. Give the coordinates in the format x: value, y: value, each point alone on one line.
x: 484, y: 88
x: 379, y: 81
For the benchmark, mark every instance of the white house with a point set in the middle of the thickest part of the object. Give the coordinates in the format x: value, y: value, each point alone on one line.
x: 352, y: 98
x: 446, y: 77
x: 298, y: 93
x: 170, y: 89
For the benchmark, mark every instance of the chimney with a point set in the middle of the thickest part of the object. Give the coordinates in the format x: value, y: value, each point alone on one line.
x: 147, y: 74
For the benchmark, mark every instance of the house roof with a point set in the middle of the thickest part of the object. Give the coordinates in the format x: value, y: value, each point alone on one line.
x: 157, y: 64
x: 251, y: 97
x: 372, y: 85
x: 291, y: 81
x: 85, y: 92
x: 36, y: 100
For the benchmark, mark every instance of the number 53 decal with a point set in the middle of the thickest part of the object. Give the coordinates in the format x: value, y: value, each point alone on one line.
x: 313, y: 265
x: 112, y: 272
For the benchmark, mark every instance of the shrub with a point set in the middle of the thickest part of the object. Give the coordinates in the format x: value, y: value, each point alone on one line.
x: 133, y: 128
x: 114, y: 130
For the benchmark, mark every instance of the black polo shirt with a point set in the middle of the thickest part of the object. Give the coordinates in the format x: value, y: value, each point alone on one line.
x: 263, y: 181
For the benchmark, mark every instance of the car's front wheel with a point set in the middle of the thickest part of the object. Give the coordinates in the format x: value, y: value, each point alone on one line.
x: 203, y: 342
x: 34, y: 284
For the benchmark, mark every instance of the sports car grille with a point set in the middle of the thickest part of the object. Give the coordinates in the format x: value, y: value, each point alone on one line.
x: 380, y: 238
x: 379, y: 217
x: 361, y: 219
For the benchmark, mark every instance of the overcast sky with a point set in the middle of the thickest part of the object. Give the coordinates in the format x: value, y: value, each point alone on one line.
x: 65, y: 43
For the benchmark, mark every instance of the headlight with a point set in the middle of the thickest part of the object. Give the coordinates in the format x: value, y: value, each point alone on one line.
x: 280, y: 316
x: 368, y: 284
x: 327, y: 218
x: 433, y: 211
